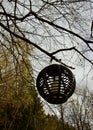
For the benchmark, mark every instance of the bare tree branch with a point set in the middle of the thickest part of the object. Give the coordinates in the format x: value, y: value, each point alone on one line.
x: 35, y: 45
x: 72, y: 48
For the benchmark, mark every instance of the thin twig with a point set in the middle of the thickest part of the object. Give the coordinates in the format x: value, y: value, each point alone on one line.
x: 35, y: 45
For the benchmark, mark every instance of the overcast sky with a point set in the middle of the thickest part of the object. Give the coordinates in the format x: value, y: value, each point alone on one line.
x: 80, y: 21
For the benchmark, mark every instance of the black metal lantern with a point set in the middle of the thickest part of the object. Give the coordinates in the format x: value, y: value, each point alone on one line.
x: 56, y: 83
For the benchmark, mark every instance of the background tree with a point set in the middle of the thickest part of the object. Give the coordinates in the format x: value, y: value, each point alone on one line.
x: 78, y: 111
x: 20, y: 106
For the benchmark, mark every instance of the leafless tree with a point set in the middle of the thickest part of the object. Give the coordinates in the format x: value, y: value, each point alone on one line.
x: 78, y: 111
x: 58, y: 30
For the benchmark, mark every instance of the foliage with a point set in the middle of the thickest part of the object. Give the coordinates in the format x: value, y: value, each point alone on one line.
x: 20, y: 106
x: 53, y: 123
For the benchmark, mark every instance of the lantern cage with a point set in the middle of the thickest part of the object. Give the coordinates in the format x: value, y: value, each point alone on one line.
x: 56, y: 83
